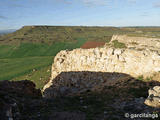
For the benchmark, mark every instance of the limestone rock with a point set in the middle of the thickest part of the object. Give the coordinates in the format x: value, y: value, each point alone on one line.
x: 154, y: 97
x: 81, y: 69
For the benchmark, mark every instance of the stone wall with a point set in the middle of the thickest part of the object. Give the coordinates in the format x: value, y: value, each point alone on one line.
x: 128, y: 61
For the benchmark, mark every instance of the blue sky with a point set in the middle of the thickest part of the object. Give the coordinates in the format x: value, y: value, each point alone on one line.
x: 17, y: 13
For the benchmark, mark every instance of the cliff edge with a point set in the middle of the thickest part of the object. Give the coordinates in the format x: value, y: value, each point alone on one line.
x: 99, y: 60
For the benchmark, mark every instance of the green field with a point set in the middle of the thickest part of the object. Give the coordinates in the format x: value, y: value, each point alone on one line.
x: 11, y: 68
x: 37, y: 49
x: 31, y: 61
x: 28, y: 53
x: 39, y: 76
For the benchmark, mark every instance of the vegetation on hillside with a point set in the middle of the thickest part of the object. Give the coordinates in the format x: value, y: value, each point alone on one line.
x: 39, y: 76
x: 14, y: 67
x: 18, y: 62
x: 118, y: 44
x: 37, y: 49
x: 151, y: 32
x: 52, y: 34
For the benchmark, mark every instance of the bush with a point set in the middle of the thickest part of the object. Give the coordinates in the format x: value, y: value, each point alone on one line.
x: 140, y: 77
x: 118, y: 44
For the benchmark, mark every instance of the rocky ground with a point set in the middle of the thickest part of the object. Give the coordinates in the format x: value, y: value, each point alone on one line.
x: 21, y: 101
x: 139, y: 43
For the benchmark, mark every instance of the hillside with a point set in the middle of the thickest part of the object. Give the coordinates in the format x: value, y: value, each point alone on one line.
x: 51, y: 34
x: 151, y: 32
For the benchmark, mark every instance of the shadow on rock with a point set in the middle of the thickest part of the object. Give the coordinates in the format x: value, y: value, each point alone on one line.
x: 77, y: 96
x: 104, y: 95
x: 74, y: 83
x: 13, y: 96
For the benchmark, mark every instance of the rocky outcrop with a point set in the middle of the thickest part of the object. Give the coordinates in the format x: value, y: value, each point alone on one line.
x: 153, y: 99
x: 138, y: 42
x: 12, y: 94
x: 79, y: 62
x: 127, y: 61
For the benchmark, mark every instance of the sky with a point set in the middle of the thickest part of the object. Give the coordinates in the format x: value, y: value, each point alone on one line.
x: 15, y: 14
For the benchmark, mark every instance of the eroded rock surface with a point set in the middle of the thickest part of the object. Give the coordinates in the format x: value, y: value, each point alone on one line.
x: 99, y: 60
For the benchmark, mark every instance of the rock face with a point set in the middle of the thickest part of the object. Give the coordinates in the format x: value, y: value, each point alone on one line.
x: 154, y: 97
x: 127, y: 61
x: 99, y: 60
x: 138, y: 42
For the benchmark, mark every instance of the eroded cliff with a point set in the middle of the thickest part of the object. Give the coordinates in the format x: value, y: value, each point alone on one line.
x: 99, y: 60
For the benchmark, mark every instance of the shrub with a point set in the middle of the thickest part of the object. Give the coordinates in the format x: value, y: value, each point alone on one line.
x: 118, y: 44
x: 140, y: 77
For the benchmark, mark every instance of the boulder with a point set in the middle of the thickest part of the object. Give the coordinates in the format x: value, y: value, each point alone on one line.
x: 153, y: 99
